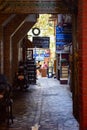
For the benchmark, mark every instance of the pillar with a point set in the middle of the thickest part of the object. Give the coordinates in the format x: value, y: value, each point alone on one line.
x: 1, y: 49
x: 9, y: 29
x: 3, y: 19
x: 82, y: 41
x: 19, y: 35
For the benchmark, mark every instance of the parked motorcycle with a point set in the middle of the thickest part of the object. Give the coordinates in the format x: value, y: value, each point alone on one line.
x: 21, y: 79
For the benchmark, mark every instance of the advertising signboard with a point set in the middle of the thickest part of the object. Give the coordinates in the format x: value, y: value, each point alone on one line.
x: 39, y: 54
x: 41, y: 42
x: 63, y: 36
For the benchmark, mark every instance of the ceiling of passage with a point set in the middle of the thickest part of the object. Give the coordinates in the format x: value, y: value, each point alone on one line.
x: 36, y: 6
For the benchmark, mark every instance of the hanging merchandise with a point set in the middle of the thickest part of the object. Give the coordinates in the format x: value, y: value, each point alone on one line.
x: 63, y: 33
x: 63, y: 36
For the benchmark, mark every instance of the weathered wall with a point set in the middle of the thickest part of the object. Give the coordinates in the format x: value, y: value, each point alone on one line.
x: 82, y: 40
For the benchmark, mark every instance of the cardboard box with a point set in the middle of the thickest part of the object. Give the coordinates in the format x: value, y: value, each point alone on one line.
x: 44, y: 72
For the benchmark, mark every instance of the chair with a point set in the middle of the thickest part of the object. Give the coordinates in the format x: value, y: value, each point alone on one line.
x: 5, y: 100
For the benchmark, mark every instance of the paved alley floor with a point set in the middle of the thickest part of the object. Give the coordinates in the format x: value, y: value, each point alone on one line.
x: 46, y: 105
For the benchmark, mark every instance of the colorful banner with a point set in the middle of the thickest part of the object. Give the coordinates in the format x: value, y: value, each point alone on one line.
x: 39, y: 54
x: 63, y: 36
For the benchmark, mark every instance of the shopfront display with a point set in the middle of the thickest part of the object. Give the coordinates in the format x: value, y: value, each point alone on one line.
x: 31, y: 71
x: 63, y: 67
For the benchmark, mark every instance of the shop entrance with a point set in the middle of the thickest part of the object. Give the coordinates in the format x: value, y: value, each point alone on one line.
x: 51, y: 43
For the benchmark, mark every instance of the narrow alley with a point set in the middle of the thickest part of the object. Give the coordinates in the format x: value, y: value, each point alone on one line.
x: 46, y: 104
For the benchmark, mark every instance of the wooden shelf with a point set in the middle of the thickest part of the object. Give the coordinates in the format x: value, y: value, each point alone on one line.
x: 31, y: 71
x: 62, y: 67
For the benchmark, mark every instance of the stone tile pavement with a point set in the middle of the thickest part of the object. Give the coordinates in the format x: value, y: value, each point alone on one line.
x: 47, y: 104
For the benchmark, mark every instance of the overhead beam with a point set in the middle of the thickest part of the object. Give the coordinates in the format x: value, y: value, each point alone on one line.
x: 4, y: 17
x: 8, y: 19
x: 33, y: 6
x: 72, y: 5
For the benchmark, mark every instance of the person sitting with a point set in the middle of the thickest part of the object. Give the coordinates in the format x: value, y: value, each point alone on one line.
x: 38, y: 66
x: 44, y: 66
